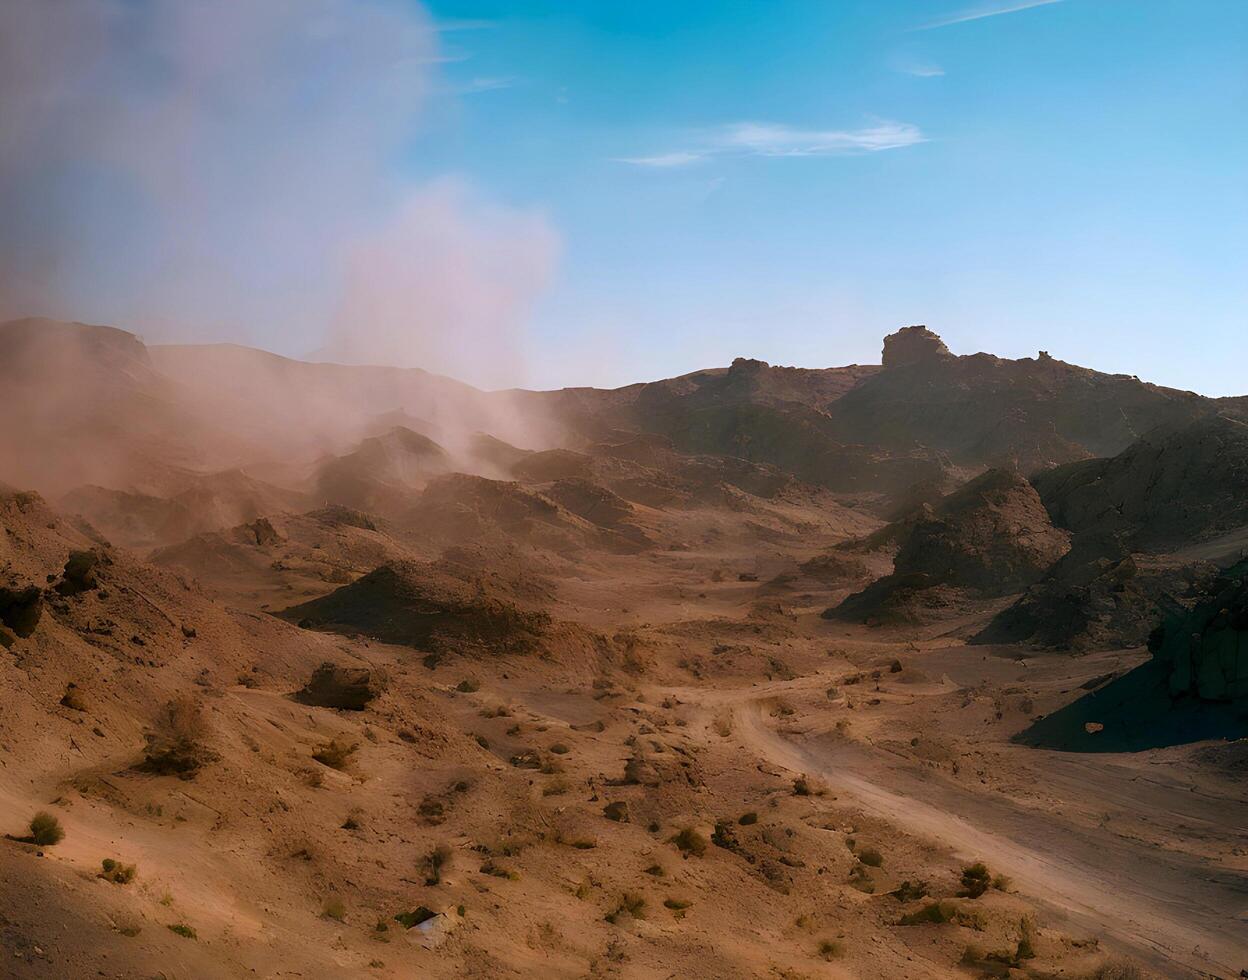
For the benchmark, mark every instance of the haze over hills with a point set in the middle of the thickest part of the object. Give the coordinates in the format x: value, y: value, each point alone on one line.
x: 746, y: 672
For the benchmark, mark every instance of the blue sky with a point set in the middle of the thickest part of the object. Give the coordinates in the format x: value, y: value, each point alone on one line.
x: 552, y: 192
x: 1077, y: 180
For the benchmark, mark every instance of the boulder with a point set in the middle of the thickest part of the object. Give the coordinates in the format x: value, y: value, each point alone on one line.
x: 20, y: 609
x: 264, y: 531
x: 345, y: 688
x: 79, y: 574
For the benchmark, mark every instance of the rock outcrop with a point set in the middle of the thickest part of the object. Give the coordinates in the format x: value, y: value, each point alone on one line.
x: 989, y: 538
x: 1206, y: 649
x: 914, y: 345
x: 21, y: 609
x: 345, y: 688
x: 1176, y: 485
x: 1099, y: 596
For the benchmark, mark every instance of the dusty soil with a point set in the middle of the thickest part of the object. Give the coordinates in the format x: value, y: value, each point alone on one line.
x: 597, y: 724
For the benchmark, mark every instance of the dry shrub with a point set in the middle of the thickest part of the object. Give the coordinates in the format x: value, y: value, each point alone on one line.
x: 690, y: 842
x: 936, y: 912
x: 1117, y: 970
x: 435, y: 861
x: 334, y: 909
x: 975, y: 880
x: 631, y: 905
x: 176, y: 745
x: 117, y: 873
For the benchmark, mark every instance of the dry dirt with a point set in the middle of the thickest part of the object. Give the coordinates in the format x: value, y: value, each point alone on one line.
x: 606, y: 730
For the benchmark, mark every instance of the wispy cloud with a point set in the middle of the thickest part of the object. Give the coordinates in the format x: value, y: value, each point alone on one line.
x: 992, y: 9
x: 921, y: 70
x: 486, y: 84
x: 779, y: 140
x: 770, y: 140
x: 680, y: 158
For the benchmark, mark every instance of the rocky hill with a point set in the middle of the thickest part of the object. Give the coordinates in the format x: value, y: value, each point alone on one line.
x: 1177, y: 484
x: 989, y: 538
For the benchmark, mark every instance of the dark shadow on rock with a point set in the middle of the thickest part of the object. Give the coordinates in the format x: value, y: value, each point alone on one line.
x: 1137, y: 713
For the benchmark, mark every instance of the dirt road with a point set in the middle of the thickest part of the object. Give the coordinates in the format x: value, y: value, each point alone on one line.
x: 1171, y: 909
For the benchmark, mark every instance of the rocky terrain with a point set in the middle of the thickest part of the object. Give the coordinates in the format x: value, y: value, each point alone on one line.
x: 931, y: 668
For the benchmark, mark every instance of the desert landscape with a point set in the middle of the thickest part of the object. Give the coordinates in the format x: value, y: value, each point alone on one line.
x: 595, y: 489
x: 936, y: 667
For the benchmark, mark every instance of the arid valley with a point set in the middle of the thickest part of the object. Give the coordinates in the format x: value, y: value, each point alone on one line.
x: 936, y: 667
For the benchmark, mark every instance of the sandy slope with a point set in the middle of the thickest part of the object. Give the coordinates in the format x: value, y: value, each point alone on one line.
x: 1174, y: 906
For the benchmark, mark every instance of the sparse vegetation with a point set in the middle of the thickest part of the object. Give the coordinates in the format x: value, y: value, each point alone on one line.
x: 975, y: 880
x: 334, y: 909
x: 937, y: 912
x: 468, y: 686
x: 1117, y: 970
x: 118, y: 873
x: 631, y: 905
x: 830, y: 949
x: 690, y: 841
x: 45, y: 830
x: 183, y: 930
x: 909, y: 891
x: 435, y: 861
x: 176, y: 744
x: 498, y: 871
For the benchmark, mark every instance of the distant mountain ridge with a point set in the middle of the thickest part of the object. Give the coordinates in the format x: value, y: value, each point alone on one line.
x: 104, y: 409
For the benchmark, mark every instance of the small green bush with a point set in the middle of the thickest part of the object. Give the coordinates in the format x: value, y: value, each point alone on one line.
x: 45, y: 829
x: 118, y: 873
x: 183, y: 930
